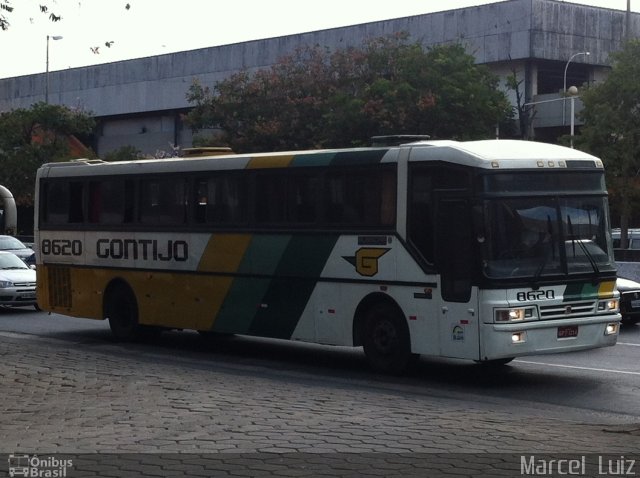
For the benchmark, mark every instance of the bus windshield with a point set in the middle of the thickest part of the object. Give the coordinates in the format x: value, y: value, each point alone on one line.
x: 539, y: 237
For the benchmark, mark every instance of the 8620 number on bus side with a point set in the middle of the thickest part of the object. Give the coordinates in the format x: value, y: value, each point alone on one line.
x: 61, y: 247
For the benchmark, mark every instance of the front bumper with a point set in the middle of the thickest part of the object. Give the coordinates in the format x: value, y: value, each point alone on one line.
x: 17, y: 296
x: 542, y: 337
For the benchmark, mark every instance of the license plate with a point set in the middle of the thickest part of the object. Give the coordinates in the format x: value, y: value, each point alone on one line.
x: 635, y: 304
x: 28, y: 296
x: 567, y: 331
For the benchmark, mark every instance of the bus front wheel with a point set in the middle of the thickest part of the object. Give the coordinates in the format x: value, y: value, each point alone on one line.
x: 386, y: 341
x: 121, y: 310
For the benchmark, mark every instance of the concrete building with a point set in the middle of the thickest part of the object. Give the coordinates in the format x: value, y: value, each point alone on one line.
x: 139, y: 102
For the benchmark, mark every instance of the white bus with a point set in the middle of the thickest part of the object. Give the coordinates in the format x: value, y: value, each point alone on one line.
x: 483, y: 250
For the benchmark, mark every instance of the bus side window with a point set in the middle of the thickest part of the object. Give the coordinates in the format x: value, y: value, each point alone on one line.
x: 302, y: 197
x: 454, y: 245
x: 420, y: 221
x: 388, y: 199
x: 230, y: 200
x: 271, y: 198
x: 221, y: 199
x: 95, y: 201
x: 55, y: 205
x: 129, y: 201
x: 335, y: 199
x: 76, y: 202
x: 361, y: 198
x: 163, y: 201
x: 201, y: 202
x: 108, y: 201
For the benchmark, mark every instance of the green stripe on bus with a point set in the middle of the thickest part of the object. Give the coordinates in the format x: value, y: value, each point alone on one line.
x: 580, y: 291
x: 264, y: 254
x: 241, y: 304
x: 590, y: 290
x: 296, y: 277
x: 246, y: 292
x: 319, y: 159
x: 354, y: 158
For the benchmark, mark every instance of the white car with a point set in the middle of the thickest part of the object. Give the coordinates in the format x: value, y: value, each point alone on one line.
x: 17, y: 281
x: 15, y: 246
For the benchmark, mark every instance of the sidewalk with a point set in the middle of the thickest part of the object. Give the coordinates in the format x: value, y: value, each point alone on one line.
x: 78, y: 400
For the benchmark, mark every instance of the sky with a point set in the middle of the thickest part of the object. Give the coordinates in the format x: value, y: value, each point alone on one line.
x: 103, y: 31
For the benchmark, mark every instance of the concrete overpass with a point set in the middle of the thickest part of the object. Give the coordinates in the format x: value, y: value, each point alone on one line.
x: 139, y: 102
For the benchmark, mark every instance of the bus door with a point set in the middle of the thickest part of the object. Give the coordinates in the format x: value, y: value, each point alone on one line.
x: 458, y: 313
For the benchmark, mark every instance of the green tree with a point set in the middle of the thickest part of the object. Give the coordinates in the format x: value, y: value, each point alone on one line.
x: 124, y: 153
x: 31, y: 137
x: 611, y: 128
x: 525, y: 112
x: 319, y: 98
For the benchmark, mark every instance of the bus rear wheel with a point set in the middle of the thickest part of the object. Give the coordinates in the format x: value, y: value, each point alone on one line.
x: 386, y: 341
x: 121, y: 310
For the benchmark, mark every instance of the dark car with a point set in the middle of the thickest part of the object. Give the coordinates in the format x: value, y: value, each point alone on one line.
x: 629, y: 300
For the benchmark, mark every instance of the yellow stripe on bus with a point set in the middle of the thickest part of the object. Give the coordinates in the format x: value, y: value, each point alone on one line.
x: 280, y: 161
x: 224, y: 252
x: 606, y: 289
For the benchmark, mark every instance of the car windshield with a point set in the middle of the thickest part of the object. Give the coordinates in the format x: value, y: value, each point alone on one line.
x: 536, y: 237
x: 10, y: 243
x: 11, y: 262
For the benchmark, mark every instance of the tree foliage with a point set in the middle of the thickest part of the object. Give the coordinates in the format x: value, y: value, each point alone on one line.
x: 123, y: 153
x: 43, y: 8
x: 32, y: 137
x: 320, y: 98
x: 611, y: 128
x: 525, y: 112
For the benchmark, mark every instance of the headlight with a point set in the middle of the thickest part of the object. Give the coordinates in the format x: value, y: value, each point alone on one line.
x: 610, y: 305
x: 518, y: 337
x: 5, y: 283
x: 513, y: 315
x: 611, y: 329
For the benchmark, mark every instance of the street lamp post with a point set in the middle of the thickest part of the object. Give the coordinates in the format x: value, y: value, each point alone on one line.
x: 564, y: 88
x: 46, y: 86
x: 573, y: 91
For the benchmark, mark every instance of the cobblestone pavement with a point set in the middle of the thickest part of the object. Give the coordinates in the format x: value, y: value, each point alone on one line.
x: 118, y: 411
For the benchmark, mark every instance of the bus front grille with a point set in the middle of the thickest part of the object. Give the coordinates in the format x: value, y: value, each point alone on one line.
x: 567, y: 310
x: 59, y: 287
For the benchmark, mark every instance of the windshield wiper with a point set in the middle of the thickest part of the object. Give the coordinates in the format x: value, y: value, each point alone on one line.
x: 538, y: 273
x: 582, y: 247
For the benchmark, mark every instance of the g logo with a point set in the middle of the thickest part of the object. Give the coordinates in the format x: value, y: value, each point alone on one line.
x: 366, y: 260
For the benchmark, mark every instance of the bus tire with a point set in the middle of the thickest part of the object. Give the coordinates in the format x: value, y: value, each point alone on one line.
x: 386, y: 341
x: 121, y: 310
